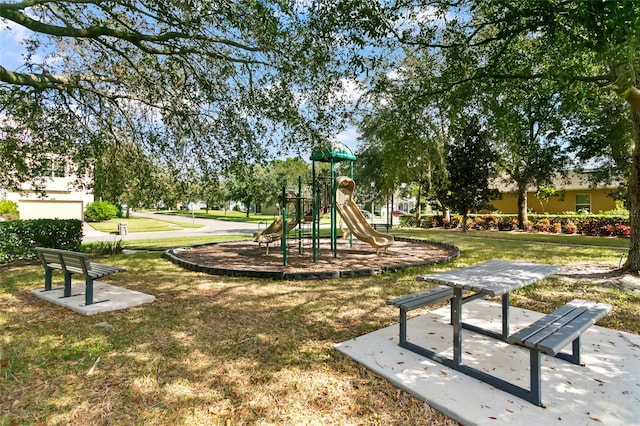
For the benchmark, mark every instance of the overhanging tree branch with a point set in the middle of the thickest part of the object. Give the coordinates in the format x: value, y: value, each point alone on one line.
x: 37, y: 81
x: 11, y: 13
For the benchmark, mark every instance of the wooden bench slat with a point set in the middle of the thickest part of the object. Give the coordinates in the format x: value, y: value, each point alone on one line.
x: 552, y: 333
x: 78, y: 262
x: 567, y: 334
x: 74, y: 270
x: 100, y: 271
x: 51, y: 257
x: 101, y: 267
x: 54, y: 266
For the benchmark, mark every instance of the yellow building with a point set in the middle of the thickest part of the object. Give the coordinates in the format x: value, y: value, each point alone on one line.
x: 573, y: 194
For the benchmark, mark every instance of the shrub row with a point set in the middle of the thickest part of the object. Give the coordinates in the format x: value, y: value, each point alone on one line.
x: 19, y: 238
x: 592, y: 225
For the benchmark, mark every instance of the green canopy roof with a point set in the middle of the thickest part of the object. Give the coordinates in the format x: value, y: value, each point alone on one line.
x: 336, y: 151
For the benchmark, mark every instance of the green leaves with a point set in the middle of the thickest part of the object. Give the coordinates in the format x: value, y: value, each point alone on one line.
x: 471, y: 164
x: 211, y: 82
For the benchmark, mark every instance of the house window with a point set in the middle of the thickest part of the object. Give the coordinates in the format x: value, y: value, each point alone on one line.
x: 53, y: 168
x: 59, y: 168
x: 46, y: 167
x: 583, y: 203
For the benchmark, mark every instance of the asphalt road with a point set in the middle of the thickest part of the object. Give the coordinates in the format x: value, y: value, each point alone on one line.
x: 211, y: 227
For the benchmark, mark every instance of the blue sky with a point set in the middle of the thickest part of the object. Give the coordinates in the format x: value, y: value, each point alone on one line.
x: 11, y: 50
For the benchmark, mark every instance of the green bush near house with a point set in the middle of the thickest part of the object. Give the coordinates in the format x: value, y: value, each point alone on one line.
x: 8, y: 210
x: 99, y: 211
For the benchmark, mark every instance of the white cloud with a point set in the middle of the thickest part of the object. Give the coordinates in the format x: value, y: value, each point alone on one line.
x: 350, y: 92
x: 415, y: 17
x: 13, y: 30
x: 349, y: 137
x: 13, y: 51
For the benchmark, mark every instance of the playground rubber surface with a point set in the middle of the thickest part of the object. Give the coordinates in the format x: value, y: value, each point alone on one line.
x: 247, y: 258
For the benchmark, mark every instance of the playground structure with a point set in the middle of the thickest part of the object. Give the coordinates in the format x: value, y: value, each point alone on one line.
x: 332, y: 194
x: 301, y: 212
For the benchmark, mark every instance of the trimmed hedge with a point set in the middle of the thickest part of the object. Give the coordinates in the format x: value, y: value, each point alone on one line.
x: 19, y: 238
x: 592, y: 225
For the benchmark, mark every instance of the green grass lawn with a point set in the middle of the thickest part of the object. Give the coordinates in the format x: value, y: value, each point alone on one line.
x: 234, y: 216
x: 229, y: 215
x: 136, y: 224
x: 233, y: 350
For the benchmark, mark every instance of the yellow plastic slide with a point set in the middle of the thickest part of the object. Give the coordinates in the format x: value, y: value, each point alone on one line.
x: 274, y: 231
x: 354, y: 219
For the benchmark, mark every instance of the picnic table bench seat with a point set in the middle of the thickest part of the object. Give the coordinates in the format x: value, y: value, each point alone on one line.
x: 70, y: 263
x: 423, y: 298
x: 418, y: 300
x: 554, y: 332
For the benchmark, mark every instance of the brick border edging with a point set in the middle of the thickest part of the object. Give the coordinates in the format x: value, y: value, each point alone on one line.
x: 303, y: 276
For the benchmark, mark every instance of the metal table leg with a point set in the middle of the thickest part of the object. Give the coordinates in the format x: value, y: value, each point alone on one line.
x: 456, y: 317
x: 505, y: 315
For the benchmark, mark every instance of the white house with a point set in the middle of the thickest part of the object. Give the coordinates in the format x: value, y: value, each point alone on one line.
x: 61, y: 200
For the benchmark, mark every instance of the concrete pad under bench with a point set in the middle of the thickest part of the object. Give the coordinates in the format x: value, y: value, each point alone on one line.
x: 606, y: 390
x: 107, y: 298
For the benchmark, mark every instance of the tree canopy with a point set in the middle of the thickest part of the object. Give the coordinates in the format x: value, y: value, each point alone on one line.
x: 471, y: 163
x: 217, y: 84
x: 210, y: 82
x: 583, y: 48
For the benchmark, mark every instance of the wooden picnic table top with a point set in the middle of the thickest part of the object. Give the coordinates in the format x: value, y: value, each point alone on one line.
x: 495, y: 277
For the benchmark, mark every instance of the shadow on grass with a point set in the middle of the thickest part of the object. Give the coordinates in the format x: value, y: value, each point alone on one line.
x: 213, y: 350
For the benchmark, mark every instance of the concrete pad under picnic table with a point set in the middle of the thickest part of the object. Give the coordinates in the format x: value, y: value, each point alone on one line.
x: 606, y: 390
x: 106, y: 298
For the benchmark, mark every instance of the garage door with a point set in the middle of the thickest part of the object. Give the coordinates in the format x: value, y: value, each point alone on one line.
x: 46, y: 209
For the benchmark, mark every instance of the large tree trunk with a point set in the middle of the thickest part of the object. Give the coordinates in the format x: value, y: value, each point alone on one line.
x: 633, y: 261
x: 522, y: 207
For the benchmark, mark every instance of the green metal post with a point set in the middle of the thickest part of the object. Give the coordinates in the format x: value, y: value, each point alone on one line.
x: 351, y: 176
x: 314, y: 211
x: 299, y: 214
x: 283, y: 240
x: 334, y: 221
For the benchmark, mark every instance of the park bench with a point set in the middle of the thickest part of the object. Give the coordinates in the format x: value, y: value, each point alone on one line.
x: 418, y: 300
x: 384, y: 226
x: 554, y: 332
x: 70, y: 263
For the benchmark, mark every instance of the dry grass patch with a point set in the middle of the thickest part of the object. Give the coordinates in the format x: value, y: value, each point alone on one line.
x: 234, y: 351
x: 208, y: 351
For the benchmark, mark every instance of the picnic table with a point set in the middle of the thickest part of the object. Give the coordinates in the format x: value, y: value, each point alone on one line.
x: 499, y: 278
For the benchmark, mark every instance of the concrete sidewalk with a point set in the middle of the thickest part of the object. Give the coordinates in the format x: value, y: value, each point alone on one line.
x: 210, y: 227
x: 606, y: 390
